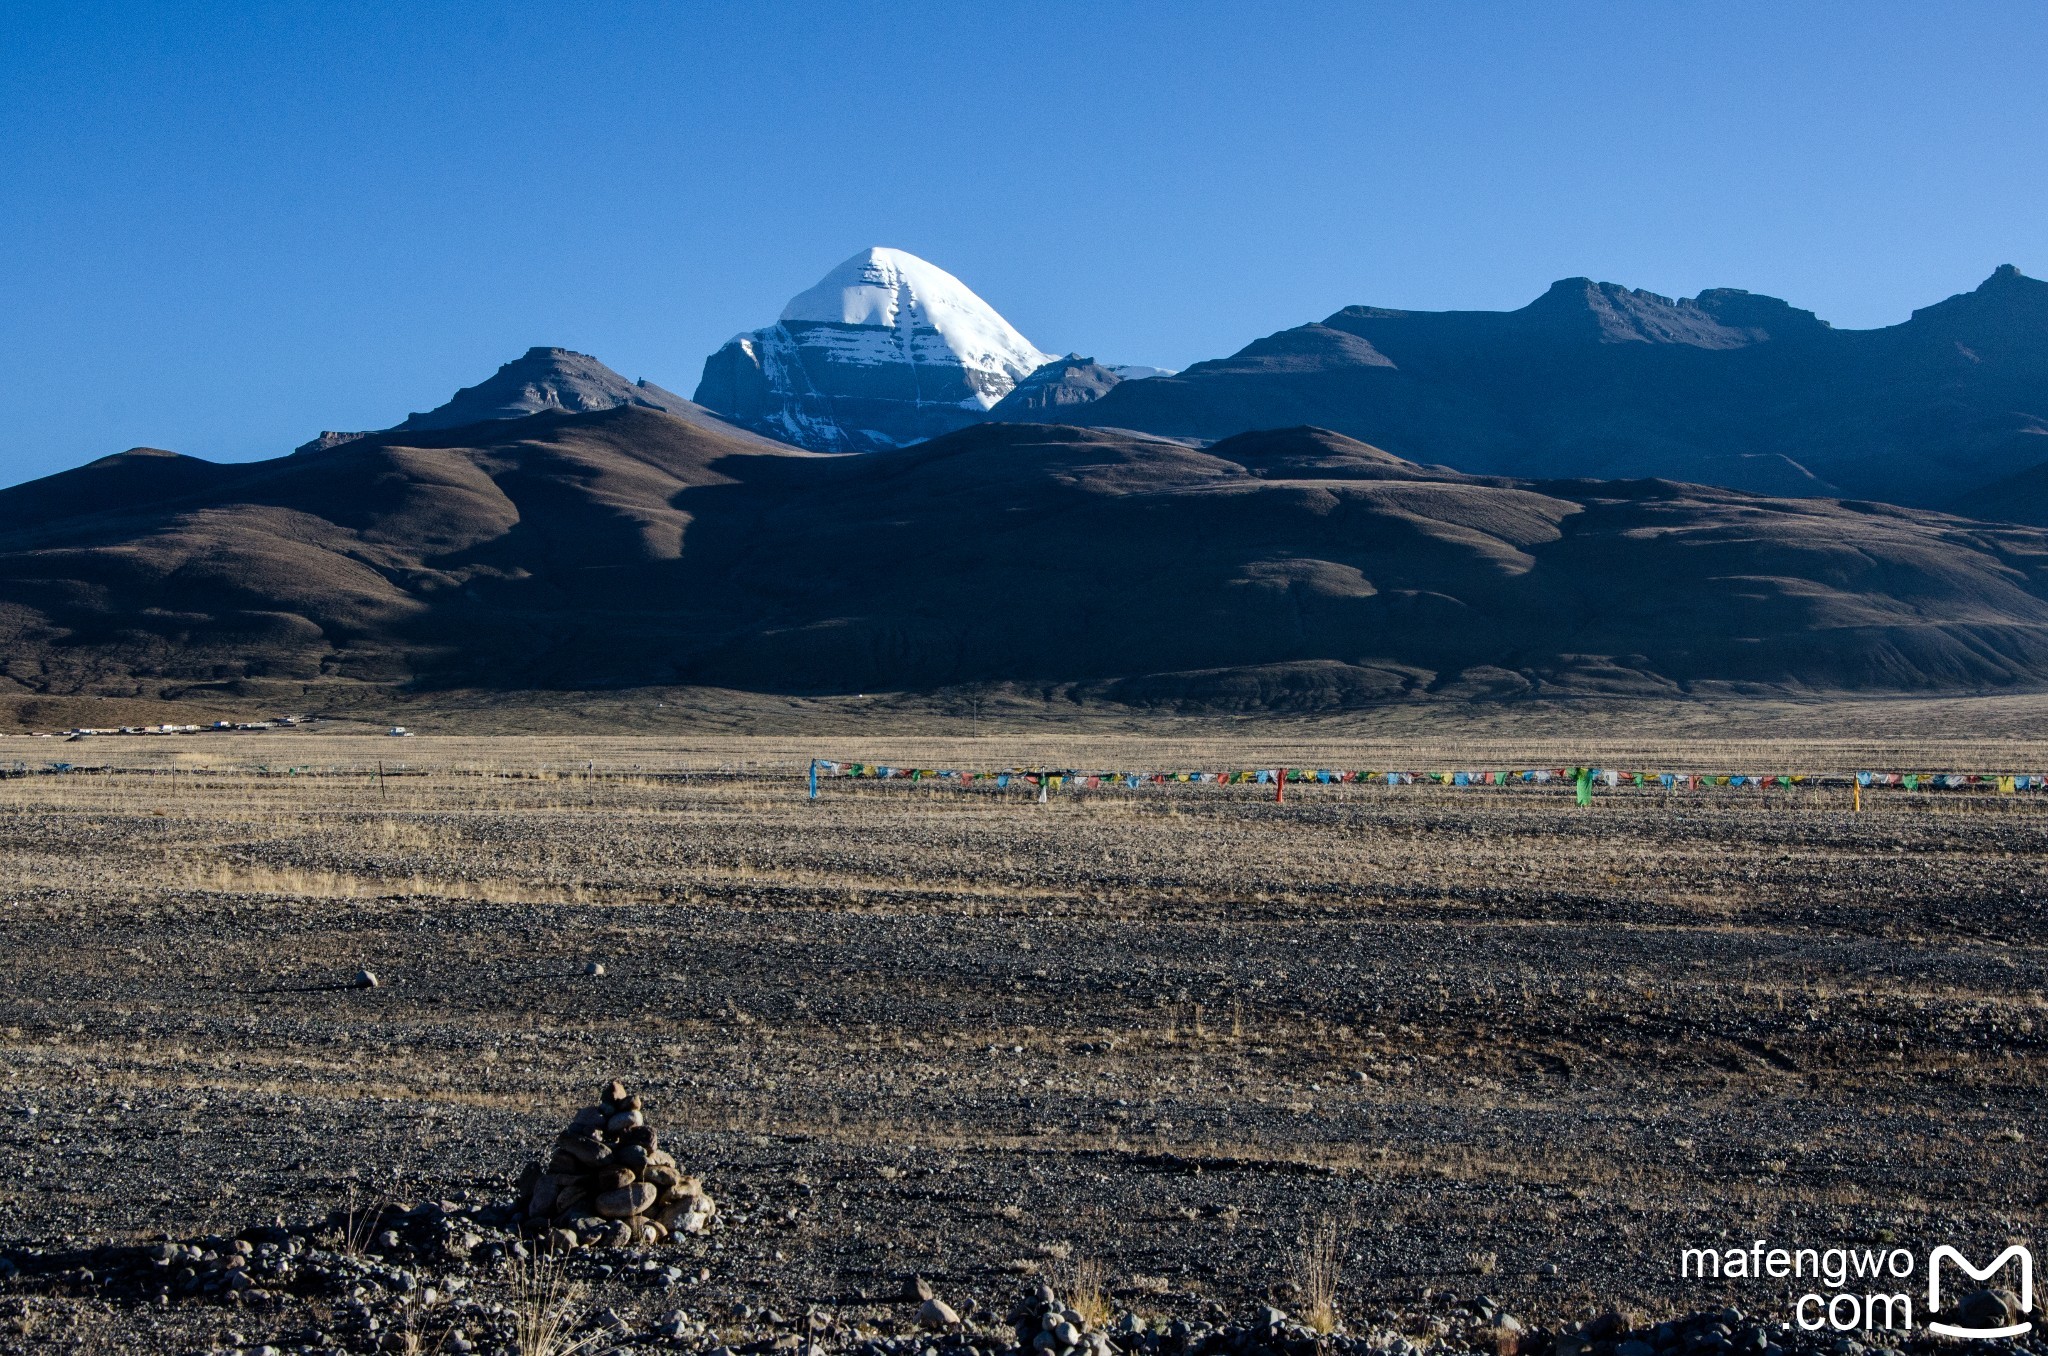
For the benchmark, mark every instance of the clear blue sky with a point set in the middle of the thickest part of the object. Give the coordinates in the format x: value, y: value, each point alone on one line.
x: 226, y: 226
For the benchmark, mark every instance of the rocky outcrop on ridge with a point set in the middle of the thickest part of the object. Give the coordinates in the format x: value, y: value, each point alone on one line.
x: 1057, y: 387
x: 1593, y: 379
x: 539, y: 381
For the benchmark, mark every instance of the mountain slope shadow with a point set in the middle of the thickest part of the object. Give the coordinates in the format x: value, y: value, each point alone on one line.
x: 1283, y: 568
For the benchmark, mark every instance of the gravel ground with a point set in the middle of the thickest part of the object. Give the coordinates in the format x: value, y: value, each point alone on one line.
x: 1157, y: 1041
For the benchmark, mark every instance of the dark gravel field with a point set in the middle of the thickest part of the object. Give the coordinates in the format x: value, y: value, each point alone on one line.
x: 1184, y: 1048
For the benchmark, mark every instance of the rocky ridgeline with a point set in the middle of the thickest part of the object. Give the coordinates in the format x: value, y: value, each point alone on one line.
x: 609, y: 1183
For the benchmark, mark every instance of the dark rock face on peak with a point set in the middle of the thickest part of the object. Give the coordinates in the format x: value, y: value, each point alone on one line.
x: 1594, y: 379
x: 1579, y: 308
x: 545, y: 380
x: 1293, y: 568
x: 1058, y: 386
x: 540, y: 381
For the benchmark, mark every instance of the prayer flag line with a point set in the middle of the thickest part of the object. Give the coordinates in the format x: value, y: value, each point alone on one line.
x: 1582, y: 779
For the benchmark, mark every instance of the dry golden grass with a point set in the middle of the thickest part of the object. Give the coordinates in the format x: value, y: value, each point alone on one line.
x: 359, y: 1222
x: 1318, y: 1273
x: 1837, y: 733
x: 1495, y: 1014
x: 546, y: 1306
x: 1083, y: 1286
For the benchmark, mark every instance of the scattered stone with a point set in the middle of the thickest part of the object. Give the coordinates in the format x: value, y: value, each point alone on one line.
x: 623, y: 1203
x: 1043, y: 1324
x: 593, y: 968
x: 609, y: 1183
x: 1989, y: 1308
x: 366, y: 979
x: 375, y: 1304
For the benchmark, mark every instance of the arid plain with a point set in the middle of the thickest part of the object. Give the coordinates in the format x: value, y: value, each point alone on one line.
x: 1156, y: 1041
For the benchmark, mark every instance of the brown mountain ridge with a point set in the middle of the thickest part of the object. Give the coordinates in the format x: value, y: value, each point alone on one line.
x: 1284, y: 569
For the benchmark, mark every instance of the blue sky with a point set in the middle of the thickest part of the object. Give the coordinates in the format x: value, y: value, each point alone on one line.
x: 224, y: 227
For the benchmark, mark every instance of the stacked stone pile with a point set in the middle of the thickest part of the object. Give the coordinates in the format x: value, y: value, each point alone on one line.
x: 609, y: 1183
x: 1046, y: 1327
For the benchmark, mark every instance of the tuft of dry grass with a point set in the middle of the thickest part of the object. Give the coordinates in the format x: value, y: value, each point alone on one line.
x: 545, y: 1305
x: 359, y: 1224
x: 1316, y: 1275
x: 413, y: 1342
x: 27, y: 1322
x: 1082, y: 1284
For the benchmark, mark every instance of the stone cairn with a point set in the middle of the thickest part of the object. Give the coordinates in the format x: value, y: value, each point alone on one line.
x: 609, y: 1183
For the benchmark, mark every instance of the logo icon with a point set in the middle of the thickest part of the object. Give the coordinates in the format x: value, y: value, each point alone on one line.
x: 2025, y: 1292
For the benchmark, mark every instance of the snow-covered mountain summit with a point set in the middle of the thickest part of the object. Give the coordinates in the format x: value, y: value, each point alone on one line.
x: 898, y: 292
x: 887, y: 349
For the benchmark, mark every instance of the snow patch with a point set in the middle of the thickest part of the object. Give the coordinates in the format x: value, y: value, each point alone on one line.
x: 910, y: 310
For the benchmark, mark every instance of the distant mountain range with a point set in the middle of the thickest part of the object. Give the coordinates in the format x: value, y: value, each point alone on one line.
x: 1543, y: 518
x: 1947, y: 410
x: 1592, y: 379
x: 1293, y: 569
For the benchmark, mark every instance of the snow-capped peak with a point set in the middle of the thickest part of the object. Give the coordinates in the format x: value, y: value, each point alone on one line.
x: 893, y: 289
x: 885, y: 351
